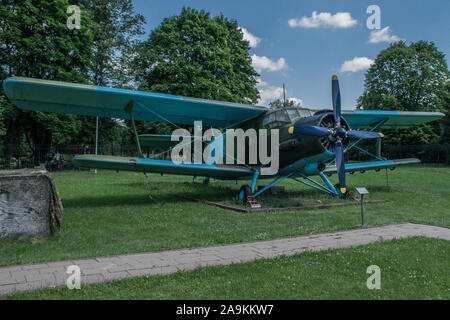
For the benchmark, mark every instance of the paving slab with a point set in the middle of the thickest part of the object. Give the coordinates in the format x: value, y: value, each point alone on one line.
x: 103, y: 269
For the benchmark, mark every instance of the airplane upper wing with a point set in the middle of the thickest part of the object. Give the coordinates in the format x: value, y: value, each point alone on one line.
x: 65, y: 97
x: 366, y: 119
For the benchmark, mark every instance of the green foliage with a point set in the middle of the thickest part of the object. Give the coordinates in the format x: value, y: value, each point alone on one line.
x: 197, y: 55
x: 154, y: 127
x: 3, y: 111
x: 110, y: 131
x: 408, y: 78
x: 115, y: 27
x: 36, y: 42
x: 446, y: 120
x: 278, y: 104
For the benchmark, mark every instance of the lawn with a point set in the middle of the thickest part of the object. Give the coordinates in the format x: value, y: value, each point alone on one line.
x: 415, y: 268
x: 110, y: 213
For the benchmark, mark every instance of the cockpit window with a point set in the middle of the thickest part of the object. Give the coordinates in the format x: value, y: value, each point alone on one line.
x: 281, y: 117
x: 305, y: 113
x: 293, y: 114
x: 276, y: 119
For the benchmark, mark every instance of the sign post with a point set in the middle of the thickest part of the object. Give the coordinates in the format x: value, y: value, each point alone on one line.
x: 362, y: 191
x: 96, y: 140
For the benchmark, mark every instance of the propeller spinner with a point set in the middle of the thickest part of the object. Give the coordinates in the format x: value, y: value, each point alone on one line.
x: 336, y: 134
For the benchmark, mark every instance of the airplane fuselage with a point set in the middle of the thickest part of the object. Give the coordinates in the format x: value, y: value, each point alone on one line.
x: 298, y: 151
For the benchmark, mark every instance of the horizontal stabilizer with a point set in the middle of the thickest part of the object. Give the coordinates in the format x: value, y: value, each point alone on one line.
x: 159, y: 140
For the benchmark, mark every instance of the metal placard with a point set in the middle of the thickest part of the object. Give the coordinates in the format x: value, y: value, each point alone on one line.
x: 362, y: 190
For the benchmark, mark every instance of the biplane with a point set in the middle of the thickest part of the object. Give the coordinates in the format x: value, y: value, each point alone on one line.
x: 311, y: 142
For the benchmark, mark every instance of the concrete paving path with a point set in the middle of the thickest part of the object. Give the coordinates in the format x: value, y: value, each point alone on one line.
x: 102, y: 269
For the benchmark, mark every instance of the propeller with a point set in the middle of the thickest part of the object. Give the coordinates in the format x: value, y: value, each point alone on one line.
x: 336, y: 99
x: 336, y: 134
x: 310, y: 131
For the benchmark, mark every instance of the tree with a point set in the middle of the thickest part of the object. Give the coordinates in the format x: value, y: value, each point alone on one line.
x: 36, y: 42
x: 3, y: 102
x: 278, y: 104
x: 196, y: 55
x: 446, y: 120
x: 115, y: 28
x: 408, y: 78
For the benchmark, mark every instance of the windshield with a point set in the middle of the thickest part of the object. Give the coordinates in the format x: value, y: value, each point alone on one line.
x: 280, y: 117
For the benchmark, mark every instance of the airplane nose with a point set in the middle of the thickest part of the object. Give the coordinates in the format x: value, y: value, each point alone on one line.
x: 341, y: 132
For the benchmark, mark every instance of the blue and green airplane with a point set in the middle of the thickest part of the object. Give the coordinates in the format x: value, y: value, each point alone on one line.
x: 310, y: 141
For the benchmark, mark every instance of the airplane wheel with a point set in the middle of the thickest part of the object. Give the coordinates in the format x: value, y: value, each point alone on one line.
x: 244, y: 192
x: 347, y: 195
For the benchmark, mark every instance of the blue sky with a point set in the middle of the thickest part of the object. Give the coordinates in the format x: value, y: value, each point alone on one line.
x: 303, y: 50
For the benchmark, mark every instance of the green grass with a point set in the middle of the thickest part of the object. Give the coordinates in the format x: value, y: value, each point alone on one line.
x: 110, y: 213
x: 415, y: 268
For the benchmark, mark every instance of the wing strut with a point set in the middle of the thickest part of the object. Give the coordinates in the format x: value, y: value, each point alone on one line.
x: 129, y: 110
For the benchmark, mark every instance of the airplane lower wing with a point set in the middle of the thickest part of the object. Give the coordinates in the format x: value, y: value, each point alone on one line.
x: 161, y: 166
x: 366, y: 119
x: 372, y: 165
x: 73, y: 98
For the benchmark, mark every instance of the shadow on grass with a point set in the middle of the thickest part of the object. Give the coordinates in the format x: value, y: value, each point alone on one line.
x: 164, y: 193
x: 117, y: 200
x: 161, y: 195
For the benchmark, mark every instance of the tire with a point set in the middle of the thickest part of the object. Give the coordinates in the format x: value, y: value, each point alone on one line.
x: 346, y: 195
x: 245, y: 191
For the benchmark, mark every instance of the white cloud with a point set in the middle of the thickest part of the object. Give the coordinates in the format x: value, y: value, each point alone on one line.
x: 296, y: 100
x: 356, y: 64
x: 324, y: 19
x: 264, y: 63
x: 260, y: 83
x: 270, y: 93
x: 383, y: 35
x: 252, y: 39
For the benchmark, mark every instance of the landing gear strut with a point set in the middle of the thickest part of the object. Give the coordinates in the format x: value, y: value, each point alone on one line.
x: 347, y: 195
